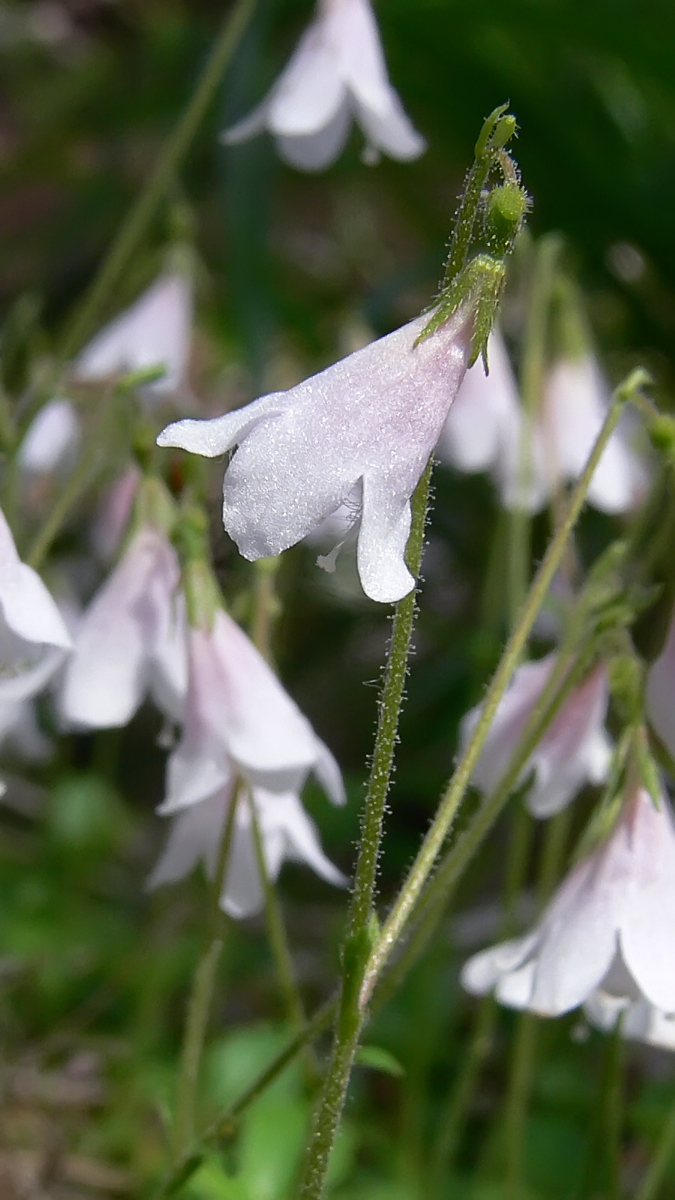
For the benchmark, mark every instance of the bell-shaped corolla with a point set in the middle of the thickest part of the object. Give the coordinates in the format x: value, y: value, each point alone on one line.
x: 337, y: 73
x: 364, y: 428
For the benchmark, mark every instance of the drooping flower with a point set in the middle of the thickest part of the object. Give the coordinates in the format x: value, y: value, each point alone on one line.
x: 370, y: 421
x: 611, y: 919
x: 286, y: 833
x: 337, y: 72
x: 660, y: 692
x: 130, y: 641
x: 155, y: 331
x: 574, y: 750
x: 239, y: 720
x: 52, y: 438
x: 33, y: 637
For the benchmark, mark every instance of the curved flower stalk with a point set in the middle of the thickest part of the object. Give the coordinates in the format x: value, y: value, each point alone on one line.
x: 575, y: 749
x: 239, y: 720
x: 130, y: 642
x: 51, y: 440
x: 34, y: 640
x: 155, y: 331
x: 372, y: 419
x: 609, y: 925
x: 337, y: 73
x: 287, y: 833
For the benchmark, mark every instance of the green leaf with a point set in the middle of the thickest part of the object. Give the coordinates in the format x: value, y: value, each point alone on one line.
x: 379, y: 1059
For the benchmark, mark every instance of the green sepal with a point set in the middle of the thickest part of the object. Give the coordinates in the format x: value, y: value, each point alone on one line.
x: 203, y: 598
x: 647, y: 769
x: 662, y: 436
x: 479, y: 286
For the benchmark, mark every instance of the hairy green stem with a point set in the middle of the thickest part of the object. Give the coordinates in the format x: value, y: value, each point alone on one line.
x: 133, y: 229
x: 435, y: 838
x: 359, y: 936
x: 200, y: 1003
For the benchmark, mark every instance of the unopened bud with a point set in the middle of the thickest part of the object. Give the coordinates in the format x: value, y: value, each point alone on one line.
x: 506, y: 208
x: 662, y: 435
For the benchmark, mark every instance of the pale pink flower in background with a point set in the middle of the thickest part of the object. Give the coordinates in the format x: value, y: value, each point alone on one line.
x: 370, y: 421
x: 51, y: 440
x: 131, y: 641
x: 287, y: 833
x: 610, y: 920
x: 114, y: 514
x: 155, y: 331
x: 337, y: 73
x: 574, y: 750
x: 660, y: 692
x: 239, y: 720
x: 33, y: 637
x: 576, y: 400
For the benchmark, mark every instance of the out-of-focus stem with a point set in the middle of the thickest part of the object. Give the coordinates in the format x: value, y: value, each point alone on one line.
x: 655, y: 1174
x: 133, y: 229
x: 200, y: 1002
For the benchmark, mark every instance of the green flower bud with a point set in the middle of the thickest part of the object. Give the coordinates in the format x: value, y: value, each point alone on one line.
x: 506, y: 207
x: 662, y: 435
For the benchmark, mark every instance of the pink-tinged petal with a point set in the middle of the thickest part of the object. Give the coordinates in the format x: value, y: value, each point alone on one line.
x: 262, y: 727
x: 309, y: 93
x: 115, y: 513
x: 375, y: 415
x: 486, y: 409
x: 192, y: 833
x: 578, y: 932
x: 571, y: 747
x: 52, y: 438
x: 119, y: 637
x: 302, y: 839
x: 168, y: 664
x: 316, y: 151
x: 481, y: 973
x: 660, y: 692
x: 155, y: 331
x: 195, y: 771
x: 513, y: 714
x: 647, y: 925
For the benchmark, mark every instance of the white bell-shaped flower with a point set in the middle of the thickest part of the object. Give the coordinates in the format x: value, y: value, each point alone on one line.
x: 239, y: 720
x: 51, y: 440
x: 574, y: 750
x: 131, y: 641
x: 370, y: 421
x: 612, y: 917
x: 154, y: 332
x: 660, y: 692
x: 33, y: 637
x: 287, y: 833
x: 337, y: 73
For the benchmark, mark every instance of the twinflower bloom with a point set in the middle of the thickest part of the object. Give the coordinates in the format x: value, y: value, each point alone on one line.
x: 574, y: 750
x: 130, y: 641
x: 337, y: 72
x: 609, y: 926
x: 33, y: 637
x: 362, y: 429
x: 286, y: 833
x: 240, y: 721
x: 154, y: 332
